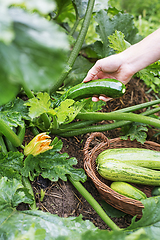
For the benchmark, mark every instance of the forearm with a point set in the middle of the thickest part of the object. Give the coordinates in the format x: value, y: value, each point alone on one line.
x: 144, y: 53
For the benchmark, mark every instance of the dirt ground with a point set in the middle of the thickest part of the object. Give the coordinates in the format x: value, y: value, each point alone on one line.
x: 61, y: 197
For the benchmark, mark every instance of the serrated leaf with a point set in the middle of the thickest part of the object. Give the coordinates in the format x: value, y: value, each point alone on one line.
x: 68, y: 110
x: 150, y: 220
x: 136, y: 132
x: 52, y: 165
x: 106, y: 26
x: 117, y: 42
x: 11, y: 164
x: 18, y: 105
x: 151, y: 76
x: 52, y: 226
x: 39, y: 105
x: 13, y: 193
x: 16, y: 224
x: 91, y: 106
x: 12, y: 119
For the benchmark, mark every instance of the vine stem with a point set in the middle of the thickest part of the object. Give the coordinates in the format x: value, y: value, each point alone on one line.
x: 27, y: 184
x: 70, y: 132
x: 78, y: 44
x: 94, y: 204
x: 120, y: 116
x: 9, y: 133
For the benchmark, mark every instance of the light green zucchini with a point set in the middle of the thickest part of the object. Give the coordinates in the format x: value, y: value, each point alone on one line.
x: 136, y: 156
x: 128, y: 190
x: 116, y: 170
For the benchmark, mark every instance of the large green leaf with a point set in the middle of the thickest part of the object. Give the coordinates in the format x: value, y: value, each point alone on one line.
x: 53, y: 165
x: 80, y: 6
x: 106, y: 26
x: 12, y: 192
x: 78, y: 72
x: 11, y: 164
x: 22, y: 224
x: 16, y: 106
x: 36, y: 57
x: 150, y: 220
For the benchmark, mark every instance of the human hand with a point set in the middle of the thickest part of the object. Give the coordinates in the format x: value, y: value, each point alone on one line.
x: 109, y: 67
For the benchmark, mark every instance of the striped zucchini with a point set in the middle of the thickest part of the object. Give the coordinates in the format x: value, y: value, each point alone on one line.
x: 109, y: 87
x: 128, y: 190
x: 136, y: 156
x: 116, y: 170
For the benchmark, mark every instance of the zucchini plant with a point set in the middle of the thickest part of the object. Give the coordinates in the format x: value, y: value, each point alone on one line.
x: 41, y: 44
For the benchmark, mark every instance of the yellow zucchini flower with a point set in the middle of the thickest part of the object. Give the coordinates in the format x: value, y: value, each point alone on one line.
x: 38, y: 144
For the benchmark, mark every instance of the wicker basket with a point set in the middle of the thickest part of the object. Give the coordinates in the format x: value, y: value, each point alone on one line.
x: 95, y: 144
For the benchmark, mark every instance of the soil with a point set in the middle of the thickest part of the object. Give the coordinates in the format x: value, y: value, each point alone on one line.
x: 61, y: 197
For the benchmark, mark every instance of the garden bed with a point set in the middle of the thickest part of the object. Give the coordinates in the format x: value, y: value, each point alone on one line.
x: 61, y: 197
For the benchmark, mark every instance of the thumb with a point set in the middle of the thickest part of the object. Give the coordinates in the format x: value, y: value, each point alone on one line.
x: 92, y: 73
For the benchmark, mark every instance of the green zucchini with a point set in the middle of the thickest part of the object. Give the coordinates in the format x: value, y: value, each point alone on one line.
x: 136, y: 156
x: 119, y: 171
x: 109, y: 87
x: 128, y: 190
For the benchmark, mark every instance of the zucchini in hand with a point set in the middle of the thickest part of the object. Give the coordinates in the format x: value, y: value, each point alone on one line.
x: 128, y: 190
x: 109, y: 87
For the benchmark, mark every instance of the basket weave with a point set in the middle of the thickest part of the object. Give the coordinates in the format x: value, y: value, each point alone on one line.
x: 95, y: 144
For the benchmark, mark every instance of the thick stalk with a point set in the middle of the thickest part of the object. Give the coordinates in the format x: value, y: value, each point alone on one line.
x: 3, y: 145
x: 27, y: 91
x: 9, y: 133
x: 72, y: 126
x: 120, y: 116
x: 94, y: 204
x: 34, y: 131
x: 27, y: 185
x: 102, y: 128
x: 21, y: 132
x: 10, y: 146
x: 139, y: 106
x: 78, y: 44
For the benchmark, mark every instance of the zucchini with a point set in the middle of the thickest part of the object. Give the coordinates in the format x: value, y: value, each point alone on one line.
x: 109, y: 87
x: 128, y: 190
x: 119, y: 171
x: 136, y: 156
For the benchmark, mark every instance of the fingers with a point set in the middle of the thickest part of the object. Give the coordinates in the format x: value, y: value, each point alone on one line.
x: 93, y: 72
x: 103, y: 98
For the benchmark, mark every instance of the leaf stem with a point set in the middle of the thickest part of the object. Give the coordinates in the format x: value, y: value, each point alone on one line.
x: 119, y: 116
x: 100, y: 128
x: 3, y: 145
x: 27, y: 185
x: 94, y: 204
x: 78, y: 44
x: 9, y: 133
